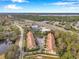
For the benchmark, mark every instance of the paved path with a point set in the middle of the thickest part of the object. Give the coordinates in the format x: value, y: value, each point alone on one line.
x: 53, y: 56
x: 21, y: 39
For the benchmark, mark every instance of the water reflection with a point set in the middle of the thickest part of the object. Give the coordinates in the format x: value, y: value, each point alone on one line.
x: 4, y: 46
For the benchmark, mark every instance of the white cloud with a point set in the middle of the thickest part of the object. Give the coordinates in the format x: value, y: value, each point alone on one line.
x: 12, y: 7
x: 19, y: 1
x: 59, y: 3
x: 71, y: 0
x: 65, y: 10
x: 65, y: 4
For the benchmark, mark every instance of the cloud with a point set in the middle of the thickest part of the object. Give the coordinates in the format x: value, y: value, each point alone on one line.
x: 71, y: 0
x: 12, y: 7
x: 20, y: 1
x: 60, y: 3
x: 65, y: 4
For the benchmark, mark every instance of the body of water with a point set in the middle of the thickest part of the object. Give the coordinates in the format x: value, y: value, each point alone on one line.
x: 4, y: 46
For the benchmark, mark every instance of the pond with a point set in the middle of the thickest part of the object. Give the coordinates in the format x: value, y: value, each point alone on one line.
x: 4, y: 46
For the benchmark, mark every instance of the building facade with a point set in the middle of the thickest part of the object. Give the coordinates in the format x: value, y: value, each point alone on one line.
x: 30, y: 40
x: 50, y: 43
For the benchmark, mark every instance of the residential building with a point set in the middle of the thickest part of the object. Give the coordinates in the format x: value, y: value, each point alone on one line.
x: 50, y: 43
x: 31, y: 43
x: 44, y: 29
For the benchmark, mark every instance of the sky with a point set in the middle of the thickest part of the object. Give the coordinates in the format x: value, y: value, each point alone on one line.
x: 39, y: 6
